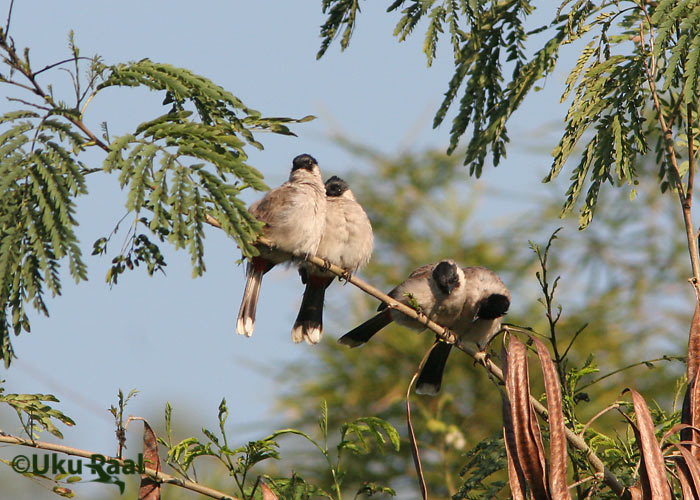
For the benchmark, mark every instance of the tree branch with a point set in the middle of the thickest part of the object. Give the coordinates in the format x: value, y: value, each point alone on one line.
x: 36, y: 89
x: 576, y: 441
x: 684, y: 198
x: 156, y: 475
x: 451, y: 338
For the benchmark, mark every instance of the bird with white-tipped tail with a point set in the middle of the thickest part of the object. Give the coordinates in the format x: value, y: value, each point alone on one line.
x: 470, y: 302
x: 347, y: 242
x: 486, y: 301
x: 295, y: 217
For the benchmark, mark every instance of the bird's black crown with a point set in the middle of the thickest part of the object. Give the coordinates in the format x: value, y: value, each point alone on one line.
x: 335, y: 186
x: 445, y: 276
x: 303, y: 161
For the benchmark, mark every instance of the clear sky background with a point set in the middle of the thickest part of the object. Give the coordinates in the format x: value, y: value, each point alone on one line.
x: 146, y: 333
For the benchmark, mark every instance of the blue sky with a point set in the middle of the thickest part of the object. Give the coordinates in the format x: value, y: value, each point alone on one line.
x: 145, y: 333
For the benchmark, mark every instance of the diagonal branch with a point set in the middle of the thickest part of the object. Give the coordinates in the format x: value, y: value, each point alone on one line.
x: 602, y: 472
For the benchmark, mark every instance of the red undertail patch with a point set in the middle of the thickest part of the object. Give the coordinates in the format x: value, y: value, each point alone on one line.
x: 261, y: 264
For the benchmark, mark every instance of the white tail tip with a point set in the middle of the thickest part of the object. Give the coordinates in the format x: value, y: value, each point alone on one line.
x: 313, y: 335
x: 427, y: 389
x: 297, y: 334
x: 245, y: 326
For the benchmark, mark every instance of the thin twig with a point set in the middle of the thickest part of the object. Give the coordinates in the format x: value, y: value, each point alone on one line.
x: 674, y: 113
x: 9, y: 16
x: 92, y: 95
x: 161, y: 477
x: 411, y: 434
x: 15, y: 61
x: 27, y: 103
x: 602, y: 412
x: 573, y: 339
x: 20, y: 85
x: 578, y: 483
x: 50, y: 66
x: 525, y: 330
x: 633, y: 365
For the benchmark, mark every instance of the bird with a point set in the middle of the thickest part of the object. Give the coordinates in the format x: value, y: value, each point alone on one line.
x: 347, y: 242
x: 295, y: 217
x: 486, y: 301
x: 438, y: 290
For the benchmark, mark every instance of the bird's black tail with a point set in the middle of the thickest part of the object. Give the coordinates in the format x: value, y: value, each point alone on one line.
x: 361, y: 334
x: 430, y: 376
x: 309, y: 323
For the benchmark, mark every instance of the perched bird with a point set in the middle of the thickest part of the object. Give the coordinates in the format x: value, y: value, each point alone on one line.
x: 438, y: 290
x: 347, y: 242
x: 486, y: 301
x: 295, y: 217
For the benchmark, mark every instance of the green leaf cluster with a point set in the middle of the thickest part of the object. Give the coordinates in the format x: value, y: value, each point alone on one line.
x: 487, y: 458
x: 40, y: 178
x: 609, y: 96
x: 34, y: 414
x: 367, y: 425
x: 677, y: 41
x: 181, y: 170
x: 180, y: 166
x: 340, y: 12
x: 241, y: 460
x: 485, y: 37
x: 639, y: 64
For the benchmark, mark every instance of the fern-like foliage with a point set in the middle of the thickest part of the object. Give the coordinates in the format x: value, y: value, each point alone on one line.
x: 482, y: 36
x: 181, y: 170
x: 627, y: 47
x: 34, y: 413
x: 485, y: 37
x: 39, y: 180
x: 632, y: 65
x: 340, y: 12
x: 186, y: 165
x: 609, y: 99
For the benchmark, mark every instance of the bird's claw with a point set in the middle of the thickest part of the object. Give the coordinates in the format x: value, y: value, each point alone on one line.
x: 450, y: 337
x: 482, y: 357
